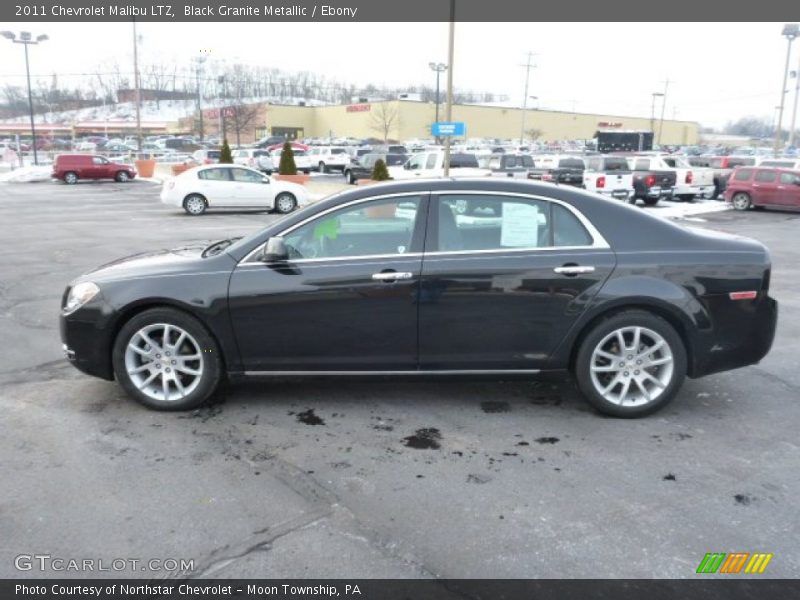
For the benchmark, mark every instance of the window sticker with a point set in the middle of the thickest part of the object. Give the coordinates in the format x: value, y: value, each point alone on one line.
x: 520, y: 225
x: 328, y: 228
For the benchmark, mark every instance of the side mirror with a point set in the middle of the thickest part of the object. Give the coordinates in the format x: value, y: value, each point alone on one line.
x: 275, y: 250
x: 265, y: 180
x: 407, y: 166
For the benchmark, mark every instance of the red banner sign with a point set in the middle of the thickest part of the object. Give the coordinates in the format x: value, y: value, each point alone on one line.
x: 358, y: 108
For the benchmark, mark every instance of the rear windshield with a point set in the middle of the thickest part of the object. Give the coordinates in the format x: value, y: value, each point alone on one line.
x: 787, y: 164
x: 616, y: 164
x: 571, y: 163
x: 338, y: 151
x: 463, y: 160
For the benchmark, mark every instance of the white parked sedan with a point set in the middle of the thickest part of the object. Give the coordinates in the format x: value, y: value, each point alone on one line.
x: 231, y: 186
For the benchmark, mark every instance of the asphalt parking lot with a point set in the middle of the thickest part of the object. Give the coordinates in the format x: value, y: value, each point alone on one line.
x: 373, y: 479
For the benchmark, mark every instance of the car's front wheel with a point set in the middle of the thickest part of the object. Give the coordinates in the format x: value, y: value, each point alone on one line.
x: 167, y: 360
x: 321, y: 167
x: 650, y: 201
x: 631, y: 364
x: 741, y: 201
x: 195, y: 204
x: 122, y: 177
x: 70, y: 178
x: 285, y: 203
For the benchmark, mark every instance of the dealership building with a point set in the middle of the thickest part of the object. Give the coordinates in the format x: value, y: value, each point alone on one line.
x: 405, y: 120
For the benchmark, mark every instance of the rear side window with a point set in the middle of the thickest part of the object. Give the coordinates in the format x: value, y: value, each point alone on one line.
x: 567, y: 229
x: 766, y: 176
x: 743, y: 175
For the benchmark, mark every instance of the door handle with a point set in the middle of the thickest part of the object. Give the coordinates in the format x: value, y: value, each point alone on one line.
x: 573, y: 270
x: 391, y: 276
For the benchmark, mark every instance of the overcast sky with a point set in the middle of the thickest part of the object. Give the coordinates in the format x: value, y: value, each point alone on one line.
x: 717, y: 71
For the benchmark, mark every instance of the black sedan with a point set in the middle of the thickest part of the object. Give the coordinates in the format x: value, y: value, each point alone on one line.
x: 390, y: 279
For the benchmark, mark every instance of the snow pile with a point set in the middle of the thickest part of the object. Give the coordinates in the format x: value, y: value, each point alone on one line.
x: 687, y: 209
x: 27, y: 175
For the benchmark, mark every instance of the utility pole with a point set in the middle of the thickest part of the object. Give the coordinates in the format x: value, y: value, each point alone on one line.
x: 790, y: 32
x: 794, y: 110
x: 138, y: 88
x: 449, y: 107
x: 528, y: 66
x: 198, y: 70
x: 653, y: 111
x: 663, y: 106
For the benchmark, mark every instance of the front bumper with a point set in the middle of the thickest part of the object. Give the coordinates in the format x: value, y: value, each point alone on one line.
x: 86, y: 345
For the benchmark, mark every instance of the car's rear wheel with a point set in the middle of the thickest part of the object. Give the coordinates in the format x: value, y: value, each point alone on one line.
x: 71, y: 178
x: 122, y: 176
x: 195, y: 204
x: 741, y: 201
x: 285, y: 203
x: 650, y: 201
x: 167, y: 360
x: 631, y: 364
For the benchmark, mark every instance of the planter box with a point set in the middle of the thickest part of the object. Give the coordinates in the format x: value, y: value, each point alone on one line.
x: 300, y: 179
x: 145, y: 168
x: 178, y: 169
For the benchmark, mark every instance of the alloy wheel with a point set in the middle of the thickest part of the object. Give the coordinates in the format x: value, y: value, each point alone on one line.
x: 284, y: 203
x: 741, y: 201
x: 195, y: 205
x: 631, y: 366
x: 164, y: 362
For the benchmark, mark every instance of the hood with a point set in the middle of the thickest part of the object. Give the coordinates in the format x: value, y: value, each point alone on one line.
x: 149, y: 264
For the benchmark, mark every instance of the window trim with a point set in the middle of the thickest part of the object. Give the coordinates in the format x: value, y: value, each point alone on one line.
x: 423, y: 196
x: 598, y: 241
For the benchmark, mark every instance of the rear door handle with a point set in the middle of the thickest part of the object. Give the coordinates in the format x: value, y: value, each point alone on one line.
x: 391, y: 276
x: 573, y: 270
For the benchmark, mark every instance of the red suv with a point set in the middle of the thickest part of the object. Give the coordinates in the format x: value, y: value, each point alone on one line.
x: 72, y: 167
x: 768, y: 187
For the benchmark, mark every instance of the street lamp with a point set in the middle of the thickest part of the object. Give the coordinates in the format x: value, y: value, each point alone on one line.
x: 790, y: 32
x: 439, y: 68
x: 653, y: 111
x: 26, y: 39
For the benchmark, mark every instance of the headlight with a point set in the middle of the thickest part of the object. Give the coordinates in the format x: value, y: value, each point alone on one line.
x: 80, y: 295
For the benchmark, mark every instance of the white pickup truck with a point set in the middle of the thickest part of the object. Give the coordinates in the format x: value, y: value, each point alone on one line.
x: 690, y: 181
x: 609, y: 176
x: 431, y: 164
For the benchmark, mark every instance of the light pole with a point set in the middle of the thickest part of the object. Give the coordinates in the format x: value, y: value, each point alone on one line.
x: 653, y: 111
x: 439, y: 68
x: 198, y: 70
x: 451, y: 41
x: 26, y: 39
x: 137, y: 83
x: 790, y: 32
x: 528, y: 66
x: 794, y: 110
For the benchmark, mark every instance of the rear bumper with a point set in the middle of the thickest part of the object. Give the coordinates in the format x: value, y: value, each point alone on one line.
x: 742, y: 333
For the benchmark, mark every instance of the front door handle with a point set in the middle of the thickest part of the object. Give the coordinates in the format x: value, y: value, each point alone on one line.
x: 391, y: 276
x: 573, y: 270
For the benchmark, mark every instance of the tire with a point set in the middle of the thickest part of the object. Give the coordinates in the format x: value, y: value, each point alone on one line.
x: 321, y: 167
x: 651, y: 201
x: 595, y: 370
x: 348, y: 177
x: 143, y: 371
x: 122, y: 177
x: 307, y: 172
x: 70, y: 178
x: 741, y: 201
x: 285, y: 203
x: 195, y: 205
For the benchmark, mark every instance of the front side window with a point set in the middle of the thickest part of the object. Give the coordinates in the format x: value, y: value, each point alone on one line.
x: 484, y: 222
x: 790, y: 179
x: 431, y: 162
x: 99, y: 160
x: 376, y: 227
x: 246, y: 176
x: 415, y: 162
x: 766, y: 176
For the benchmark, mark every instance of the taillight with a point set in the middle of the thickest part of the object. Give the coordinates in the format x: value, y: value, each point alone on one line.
x: 601, y: 182
x: 688, y: 177
x: 650, y: 180
x: 547, y: 177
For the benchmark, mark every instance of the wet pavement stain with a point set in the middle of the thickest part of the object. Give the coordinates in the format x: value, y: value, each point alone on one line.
x: 743, y: 499
x: 669, y: 477
x: 523, y: 444
x: 492, y: 407
x: 479, y: 479
x: 310, y: 418
x: 547, y: 399
x: 547, y: 440
x: 424, y: 439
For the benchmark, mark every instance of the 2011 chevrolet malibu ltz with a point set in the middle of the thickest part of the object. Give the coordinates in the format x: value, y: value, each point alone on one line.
x: 439, y: 277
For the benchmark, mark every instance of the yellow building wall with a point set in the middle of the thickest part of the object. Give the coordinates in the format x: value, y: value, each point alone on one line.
x: 409, y: 120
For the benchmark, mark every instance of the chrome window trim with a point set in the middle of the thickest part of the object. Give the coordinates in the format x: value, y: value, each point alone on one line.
x: 288, y: 230
x: 598, y: 241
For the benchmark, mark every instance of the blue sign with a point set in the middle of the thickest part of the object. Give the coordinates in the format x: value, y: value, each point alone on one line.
x: 455, y: 129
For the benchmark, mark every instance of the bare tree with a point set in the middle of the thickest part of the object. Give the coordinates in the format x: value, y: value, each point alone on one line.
x: 533, y: 133
x: 383, y: 118
x: 241, y: 118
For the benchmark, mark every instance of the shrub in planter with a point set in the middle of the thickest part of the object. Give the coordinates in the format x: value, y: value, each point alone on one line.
x: 287, y: 165
x: 225, y: 155
x: 379, y: 171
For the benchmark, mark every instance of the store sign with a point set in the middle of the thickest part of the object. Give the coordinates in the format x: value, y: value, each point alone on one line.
x: 607, y: 124
x: 358, y: 108
x: 213, y: 113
